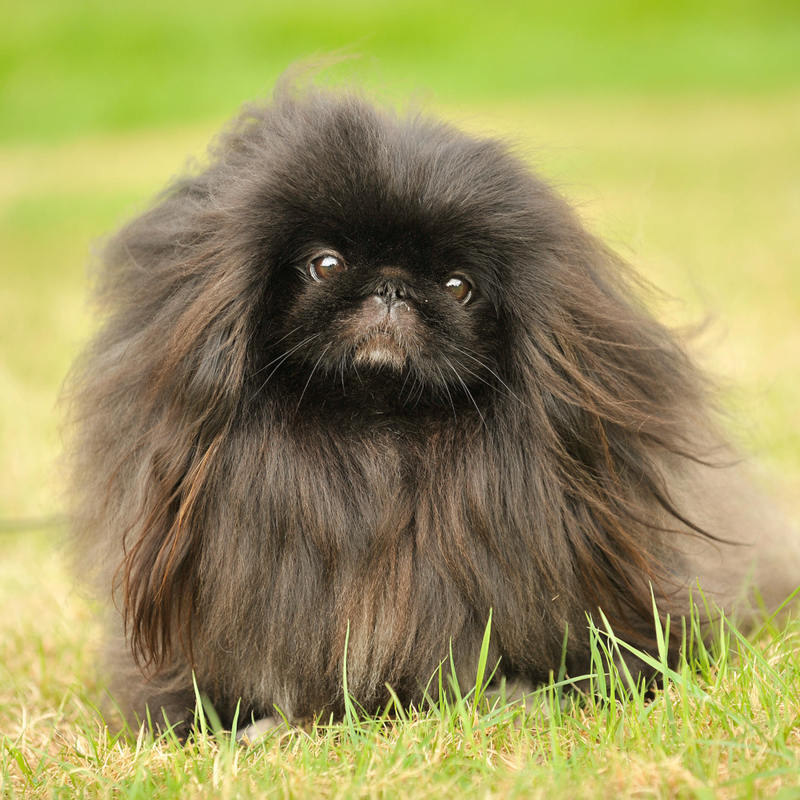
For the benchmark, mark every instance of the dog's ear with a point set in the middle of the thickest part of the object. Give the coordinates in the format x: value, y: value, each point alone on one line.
x: 155, y: 394
x: 157, y: 579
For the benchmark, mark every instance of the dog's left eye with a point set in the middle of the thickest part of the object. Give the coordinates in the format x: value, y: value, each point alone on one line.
x: 460, y: 288
x: 323, y: 267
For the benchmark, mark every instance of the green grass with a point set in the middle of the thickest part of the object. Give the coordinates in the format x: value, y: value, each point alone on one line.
x: 701, y: 194
x: 68, y: 67
x: 726, y: 726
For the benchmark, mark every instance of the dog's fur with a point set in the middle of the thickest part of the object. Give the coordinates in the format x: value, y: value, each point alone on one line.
x: 264, y: 461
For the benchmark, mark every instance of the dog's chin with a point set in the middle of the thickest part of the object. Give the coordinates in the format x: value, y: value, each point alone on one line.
x: 381, y: 350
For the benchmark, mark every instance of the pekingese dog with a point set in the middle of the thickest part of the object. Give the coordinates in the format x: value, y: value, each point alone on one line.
x: 363, y: 378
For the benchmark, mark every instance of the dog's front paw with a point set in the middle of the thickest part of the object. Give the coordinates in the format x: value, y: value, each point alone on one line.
x: 248, y: 734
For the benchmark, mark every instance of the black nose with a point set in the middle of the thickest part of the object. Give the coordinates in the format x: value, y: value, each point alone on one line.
x: 391, y: 291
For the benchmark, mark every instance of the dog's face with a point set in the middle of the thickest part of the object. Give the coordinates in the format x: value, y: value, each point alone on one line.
x: 388, y: 254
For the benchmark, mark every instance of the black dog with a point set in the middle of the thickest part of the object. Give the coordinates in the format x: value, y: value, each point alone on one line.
x: 368, y: 374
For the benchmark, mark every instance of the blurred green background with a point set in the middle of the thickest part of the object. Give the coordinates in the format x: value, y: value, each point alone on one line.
x: 674, y: 124
x: 77, y: 67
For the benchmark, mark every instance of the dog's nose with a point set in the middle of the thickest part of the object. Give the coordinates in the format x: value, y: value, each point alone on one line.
x: 391, y: 292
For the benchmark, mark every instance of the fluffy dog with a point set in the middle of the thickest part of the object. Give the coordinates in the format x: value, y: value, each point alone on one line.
x: 365, y: 377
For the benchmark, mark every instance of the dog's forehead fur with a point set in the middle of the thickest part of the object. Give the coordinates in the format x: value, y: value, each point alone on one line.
x: 341, y: 172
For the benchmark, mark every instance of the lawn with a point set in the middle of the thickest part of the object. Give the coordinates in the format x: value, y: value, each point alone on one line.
x: 700, y: 194
x: 675, y: 127
x: 76, y: 67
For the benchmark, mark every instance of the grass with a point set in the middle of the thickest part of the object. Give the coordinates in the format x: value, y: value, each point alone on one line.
x: 701, y: 194
x: 726, y: 726
x: 68, y: 68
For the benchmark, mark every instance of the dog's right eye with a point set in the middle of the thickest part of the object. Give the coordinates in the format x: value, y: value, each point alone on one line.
x: 326, y: 266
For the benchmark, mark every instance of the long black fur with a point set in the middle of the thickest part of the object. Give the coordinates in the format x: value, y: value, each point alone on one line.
x: 259, y: 465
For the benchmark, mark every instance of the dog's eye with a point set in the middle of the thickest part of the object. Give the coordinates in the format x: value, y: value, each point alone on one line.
x: 323, y: 267
x: 460, y: 288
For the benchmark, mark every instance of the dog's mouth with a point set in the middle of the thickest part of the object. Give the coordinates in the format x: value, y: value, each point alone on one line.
x: 381, y: 348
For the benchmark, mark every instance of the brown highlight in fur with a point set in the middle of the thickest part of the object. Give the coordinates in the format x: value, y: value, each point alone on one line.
x: 467, y: 410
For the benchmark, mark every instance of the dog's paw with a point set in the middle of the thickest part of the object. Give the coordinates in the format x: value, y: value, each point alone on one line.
x: 248, y: 734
